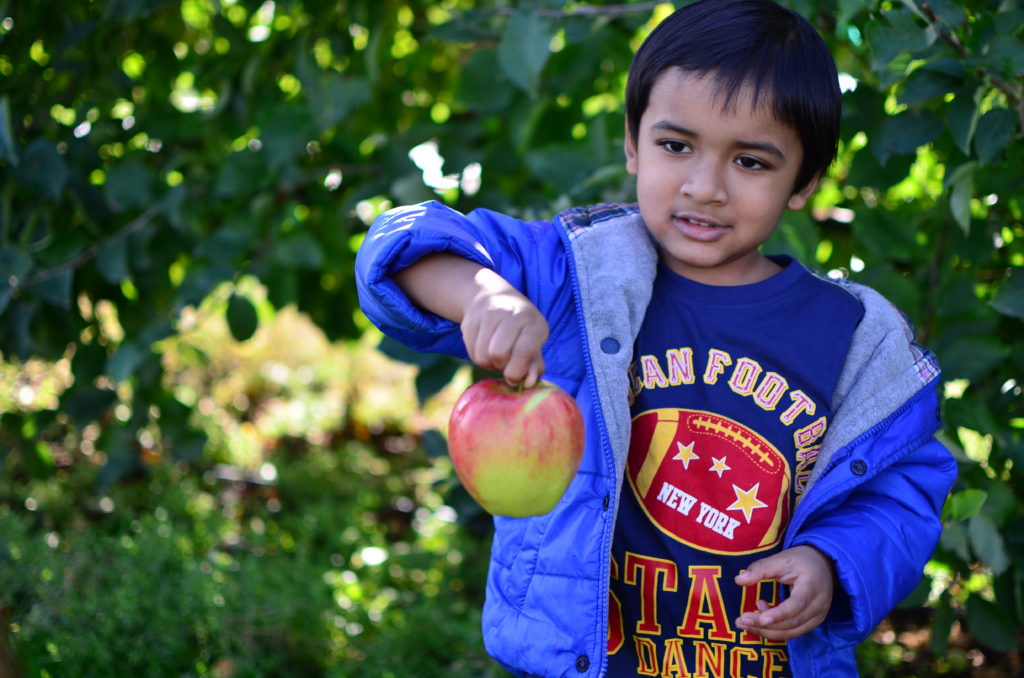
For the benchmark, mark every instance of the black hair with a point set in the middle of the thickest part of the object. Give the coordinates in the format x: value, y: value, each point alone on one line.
x: 755, y: 42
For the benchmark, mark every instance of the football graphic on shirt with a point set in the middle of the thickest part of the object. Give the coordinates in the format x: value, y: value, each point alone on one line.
x: 709, y: 481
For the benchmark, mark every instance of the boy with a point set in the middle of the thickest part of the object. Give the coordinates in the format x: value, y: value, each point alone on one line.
x: 750, y: 425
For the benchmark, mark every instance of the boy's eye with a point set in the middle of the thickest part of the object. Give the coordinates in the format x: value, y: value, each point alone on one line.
x: 747, y: 162
x: 675, y: 146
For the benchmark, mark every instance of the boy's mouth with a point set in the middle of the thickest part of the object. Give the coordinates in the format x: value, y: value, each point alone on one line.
x: 697, y: 228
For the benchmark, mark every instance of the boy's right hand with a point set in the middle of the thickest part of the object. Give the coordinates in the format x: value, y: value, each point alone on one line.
x: 503, y: 330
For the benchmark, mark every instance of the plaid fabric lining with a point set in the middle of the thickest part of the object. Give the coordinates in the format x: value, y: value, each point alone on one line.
x: 576, y: 220
x: 927, y: 363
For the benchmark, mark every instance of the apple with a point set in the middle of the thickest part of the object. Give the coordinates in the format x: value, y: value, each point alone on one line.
x: 515, y: 450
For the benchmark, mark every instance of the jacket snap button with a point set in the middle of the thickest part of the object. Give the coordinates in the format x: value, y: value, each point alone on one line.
x: 859, y: 467
x: 609, y: 345
x: 582, y: 663
x: 605, y: 502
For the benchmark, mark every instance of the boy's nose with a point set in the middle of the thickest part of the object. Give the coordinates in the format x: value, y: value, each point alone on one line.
x: 705, y: 184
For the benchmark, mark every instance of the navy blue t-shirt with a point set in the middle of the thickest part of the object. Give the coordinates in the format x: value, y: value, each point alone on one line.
x: 730, y: 397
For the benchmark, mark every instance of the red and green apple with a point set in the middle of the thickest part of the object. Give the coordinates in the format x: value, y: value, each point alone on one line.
x: 515, y: 450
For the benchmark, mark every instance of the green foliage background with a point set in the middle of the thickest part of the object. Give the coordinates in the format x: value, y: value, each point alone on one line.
x: 165, y: 165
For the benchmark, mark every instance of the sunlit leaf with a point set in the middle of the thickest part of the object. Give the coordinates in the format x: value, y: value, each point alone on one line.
x: 965, y: 504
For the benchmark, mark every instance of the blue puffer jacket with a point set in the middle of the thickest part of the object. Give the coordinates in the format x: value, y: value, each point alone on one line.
x: 873, y: 502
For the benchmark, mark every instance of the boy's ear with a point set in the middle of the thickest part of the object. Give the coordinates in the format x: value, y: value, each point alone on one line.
x: 800, y: 198
x: 630, y: 147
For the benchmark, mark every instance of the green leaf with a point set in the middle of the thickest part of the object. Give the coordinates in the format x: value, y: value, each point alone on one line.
x: 129, y: 185
x: 990, y: 624
x: 435, y: 443
x: 8, y: 144
x: 396, y: 350
x: 987, y: 543
x: 900, y: 32
x: 409, y: 189
x: 200, y: 281
x: 964, y: 504
x: 336, y: 98
x: 55, y: 290
x: 430, y: 380
x: 954, y: 538
x: 14, y: 265
x: 132, y: 353
x: 902, y: 134
x: 242, y: 318
x: 564, y: 167
x: 42, y: 169
x: 1007, y: 53
x: 38, y: 459
x: 972, y: 356
x: 112, y: 259
x: 118, y: 443
x: 483, y: 86
x: 919, y: 596
x: 960, y: 194
x: 242, y: 172
x: 949, y: 12
x: 942, y: 627
x: 797, y: 236
x: 86, y: 404
x: 995, y: 129
x: 524, y: 48
x: 188, y: 446
x: 1009, y: 300
x: 300, y: 251
x: 924, y: 85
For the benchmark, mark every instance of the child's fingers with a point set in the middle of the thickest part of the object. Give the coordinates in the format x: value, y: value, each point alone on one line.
x: 778, y: 625
x: 772, y: 567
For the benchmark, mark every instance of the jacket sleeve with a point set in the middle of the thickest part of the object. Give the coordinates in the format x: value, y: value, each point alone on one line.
x: 529, y: 255
x: 884, y: 477
x: 881, y: 535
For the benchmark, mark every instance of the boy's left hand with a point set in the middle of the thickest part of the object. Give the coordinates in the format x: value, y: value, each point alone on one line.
x: 809, y: 573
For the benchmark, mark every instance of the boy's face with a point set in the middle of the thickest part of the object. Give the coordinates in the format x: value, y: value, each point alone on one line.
x: 712, y: 184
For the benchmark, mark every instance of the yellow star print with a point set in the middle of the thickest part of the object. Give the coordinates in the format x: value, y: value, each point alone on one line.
x: 747, y: 501
x: 719, y: 466
x: 685, y: 454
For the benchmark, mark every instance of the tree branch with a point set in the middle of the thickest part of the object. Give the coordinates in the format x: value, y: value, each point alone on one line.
x: 1015, y: 96
x: 89, y: 252
x: 586, y: 10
